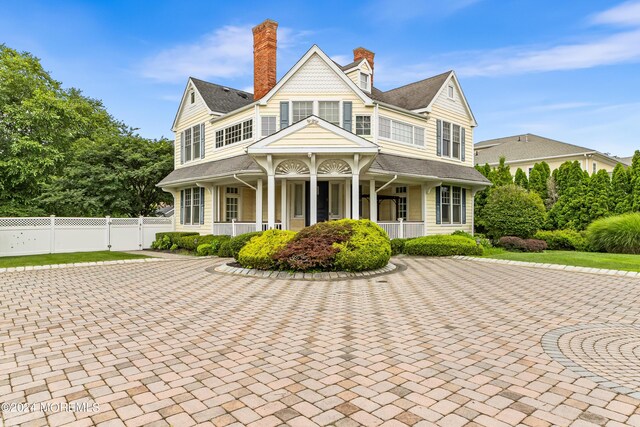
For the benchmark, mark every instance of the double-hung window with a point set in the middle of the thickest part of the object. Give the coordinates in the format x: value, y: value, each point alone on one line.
x: 193, y: 143
x: 329, y: 111
x: 268, y: 125
x: 398, y: 131
x: 301, y: 110
x: 364, y: 81
x: 187, y: 145
x: 232, y: 203
x: 451, y: 204
x: 363, y: 125
x: 446, y: 139
x: 401, y: 194
x: 192, y: 211
x: 451, y: 140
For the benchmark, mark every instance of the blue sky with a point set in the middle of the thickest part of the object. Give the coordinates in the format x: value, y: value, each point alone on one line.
x: 568, y: 70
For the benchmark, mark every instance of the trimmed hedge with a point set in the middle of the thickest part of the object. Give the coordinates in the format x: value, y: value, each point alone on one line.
x: 616, y: 234
x: 174, y: 236
x: 260, y: 250
x: 442, y: 245
x: 191, y: 243
x: 224, y: 251
x: 513, y: 211
x: 513, y: 243
x: 368, y: 248
x: 207, y: 249
x: 563, y: 240
x: 238, y: 242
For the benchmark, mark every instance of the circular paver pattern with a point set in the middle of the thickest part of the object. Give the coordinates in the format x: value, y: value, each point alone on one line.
x: 608, y: 354
x: 286, y: 275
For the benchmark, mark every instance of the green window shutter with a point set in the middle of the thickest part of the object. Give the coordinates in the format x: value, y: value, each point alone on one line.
x: 438, y: 212
x: 439, y: 137
x: 181, y: 206
x: 464, y: 203
x: 201, y: 205
x: 284, y: 114
x: 347, y: 108
x: 462, y: 150
x: 181, y: 147
x: 202, y: 139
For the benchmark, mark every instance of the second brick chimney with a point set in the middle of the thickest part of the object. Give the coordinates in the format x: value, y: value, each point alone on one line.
x: 361, y: 53
x: 264, y: 58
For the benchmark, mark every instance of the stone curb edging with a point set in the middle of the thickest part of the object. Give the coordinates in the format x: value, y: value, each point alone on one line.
x: 550, y: 343
x: 332, y: 275
x: 78, y: 264
x: 574, y: 268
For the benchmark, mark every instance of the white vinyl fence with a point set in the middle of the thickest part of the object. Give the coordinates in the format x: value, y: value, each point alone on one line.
x: 49, y: 235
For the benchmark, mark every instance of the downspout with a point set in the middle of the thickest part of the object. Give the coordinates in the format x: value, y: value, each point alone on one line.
x: 244, y: 182
x: 387, y: 184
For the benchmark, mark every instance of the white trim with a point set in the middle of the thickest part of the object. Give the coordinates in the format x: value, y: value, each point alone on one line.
x: 190, y: 85
x: 317, y: 51
x: 452, y: 76
x: 508, y: 162
x: 234, y: 123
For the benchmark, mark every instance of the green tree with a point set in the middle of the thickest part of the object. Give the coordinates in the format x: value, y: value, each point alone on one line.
x: 115, y: 175
x: 571, y: 208
x: 501, y: 175
x: 513, y: 211
x: 538, y: 178
x: 598, y: 199
x: 521, y: 179
x: 39, y: 122
x: 621, y: 194
x: 634, y: 178
x: 480, y: 198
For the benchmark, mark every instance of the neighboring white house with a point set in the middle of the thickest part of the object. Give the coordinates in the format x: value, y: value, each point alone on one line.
x: 323, y: 143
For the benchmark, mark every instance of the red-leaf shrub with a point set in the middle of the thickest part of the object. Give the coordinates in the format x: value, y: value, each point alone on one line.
x: 312, y: 248
x: 512, y: 243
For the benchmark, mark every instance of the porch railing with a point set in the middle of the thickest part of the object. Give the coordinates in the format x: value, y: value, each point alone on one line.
x: 402, y: 229
x: 235, y: 228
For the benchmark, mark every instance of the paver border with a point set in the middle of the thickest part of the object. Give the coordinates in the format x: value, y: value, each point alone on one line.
x: 550, y: 342
x: 79, y: 264
x: 286, y: 275
x: 574, y: 268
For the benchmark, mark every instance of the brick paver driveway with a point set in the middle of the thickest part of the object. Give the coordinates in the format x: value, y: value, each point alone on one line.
x: 445, y: 342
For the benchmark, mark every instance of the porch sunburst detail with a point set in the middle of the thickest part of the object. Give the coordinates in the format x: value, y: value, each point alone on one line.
x: 292, y: 167
x: 334, y: 167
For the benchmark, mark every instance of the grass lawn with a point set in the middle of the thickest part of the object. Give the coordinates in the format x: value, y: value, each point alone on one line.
x: 45, y: 259
x: 581, y: 259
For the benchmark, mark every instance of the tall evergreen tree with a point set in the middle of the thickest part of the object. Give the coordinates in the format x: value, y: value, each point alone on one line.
x: 621, y: 194
x: 570, y: 211
x: 538, y: 178
x: 521, y: 179
x: 501, y: 175
x: 597, y: 203
x: 634, y: 178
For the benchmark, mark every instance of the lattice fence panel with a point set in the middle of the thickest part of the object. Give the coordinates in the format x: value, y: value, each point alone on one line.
x: 25, y: 222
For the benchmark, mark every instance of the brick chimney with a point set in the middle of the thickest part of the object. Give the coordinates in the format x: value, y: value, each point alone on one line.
x: 361, y: 53
x: 264, y: 58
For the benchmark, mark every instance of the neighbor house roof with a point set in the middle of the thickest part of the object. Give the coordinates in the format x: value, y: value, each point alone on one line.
x: 525, y: 147
x: 222, y: 99
x: 626, y: 160
x: 400, y: 165
x: 216, y: 168
x: 412, y: 96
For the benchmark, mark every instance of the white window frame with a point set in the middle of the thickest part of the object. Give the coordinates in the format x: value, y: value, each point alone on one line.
x: 291, y: 103
x: 370, y: 124
x: 188, y: 218
x: 231, y: 195
x: 451, y: 206
x: 367, y: 85
x: 228, y: 127
x: 413, y: 133
x: 316, y: 107
x: 595, y: 167
x: 339, y: 123
x: 264, y: 129
x: 337, y: 215
x: 405, y: 195
x: 192, y: 97
x: 293, y: 200
x: 450, y: 92
x: 192, y: 154
x: 452, y: 127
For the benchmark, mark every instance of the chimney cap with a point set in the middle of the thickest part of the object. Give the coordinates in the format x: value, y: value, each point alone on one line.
x: 360, y: 48
x: 265, y: 23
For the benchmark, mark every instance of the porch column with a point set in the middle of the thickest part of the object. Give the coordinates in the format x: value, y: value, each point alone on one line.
x: 347, y: 197
x: 313, y: 197
x: 355, y: 188
x: 283, y: 204
x: 214, y: 207
x: 424, y: 192
x: 271, y: 201
x: 259, y: 205
x: 373, y: 201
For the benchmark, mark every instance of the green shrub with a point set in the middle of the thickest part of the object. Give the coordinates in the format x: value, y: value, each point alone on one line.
x: 513, y: 211
x: 174, y: 236
x: 462, y: 233
x: 368, y: 248
x: 208, y: 249
x: 397, y: 245
x: 163, y: 243
x: 224, y: 251
x: 516, y: 244
x: 314, y: 247
x: 484, y: 242
x: 259, y: 251
x: 563, y: 240
x: 443, y: 245
x: 238, y: 242
x: 616, y: 234
x: 174, y: 247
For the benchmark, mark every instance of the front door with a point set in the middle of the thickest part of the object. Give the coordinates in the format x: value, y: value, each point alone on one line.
x: 322, y: 203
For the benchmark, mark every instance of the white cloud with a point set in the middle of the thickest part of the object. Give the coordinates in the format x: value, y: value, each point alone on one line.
x: 224, y: 53
x: 627, y: 13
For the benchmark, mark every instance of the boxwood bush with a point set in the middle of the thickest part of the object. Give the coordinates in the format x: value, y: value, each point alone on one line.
x: 238, y: 242
x: 260, y: 250
x: 442, y: 245
x: 191, y: 243
x: 513, y: 211
x: 174, y: 236
x: 224, y: 251
x: 563, y: 240
x: 516, y: 244
x: 367, y: 248
x: 616, y: 234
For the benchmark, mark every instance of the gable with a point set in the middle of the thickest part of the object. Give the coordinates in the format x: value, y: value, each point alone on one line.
x: 455, y: 106
x: 315, y: 76
x: 188, y: 113
x: 312, y: 136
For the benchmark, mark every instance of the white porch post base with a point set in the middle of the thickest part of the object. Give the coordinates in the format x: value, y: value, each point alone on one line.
x: 424, y: 192
x: 283, y: 204
x: 373, y: 201
x: 259, y: 205
x: 271, y: 201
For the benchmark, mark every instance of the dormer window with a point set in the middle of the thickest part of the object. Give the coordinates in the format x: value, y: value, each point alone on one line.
x: 364, y: 81
x: 192, y: 97
x: 450, y: 91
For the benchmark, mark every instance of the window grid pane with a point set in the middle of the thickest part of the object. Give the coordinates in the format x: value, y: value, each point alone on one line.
x: 385, y: 128
x: 330, y: 111
x: 456, y: 141
x: 231, y: 208
x: 196, y: 142
x: 298, y: 200
x: 268, y: 125
x: 419, y: 136
x: 446, y: 139
x: 363, y: 125
x: 187, y: 206
x: 445, y: 197
x: 302, y: 110
x: 247, y: 129
x: 364, y: 81
x: 187, y: 144
x: 196, y: 206
x: 402, y: 132
x: 233, y: 134
x: 219, y: 138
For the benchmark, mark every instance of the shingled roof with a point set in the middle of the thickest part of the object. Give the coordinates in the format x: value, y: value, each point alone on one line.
x: 401, y: 165
x: 524, y: 147
x: 216, y: 168
x: 222, y: 99
x: 413, y: 96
